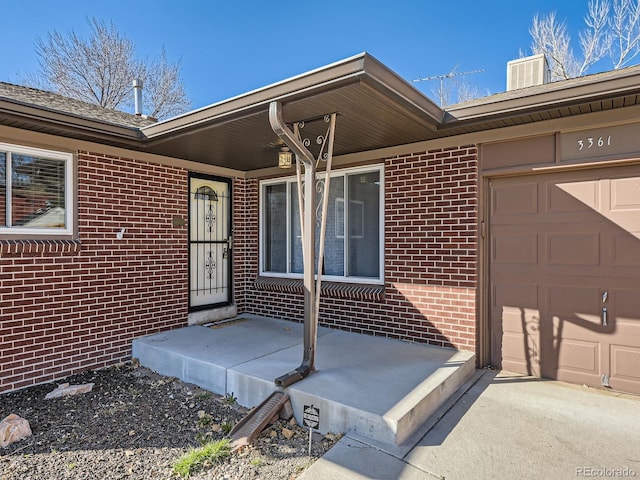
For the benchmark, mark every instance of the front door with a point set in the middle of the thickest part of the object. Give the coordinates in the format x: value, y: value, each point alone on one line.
x: 209, y: 241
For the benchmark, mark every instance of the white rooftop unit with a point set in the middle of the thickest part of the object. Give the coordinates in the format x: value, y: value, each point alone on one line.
x: 527, y: 72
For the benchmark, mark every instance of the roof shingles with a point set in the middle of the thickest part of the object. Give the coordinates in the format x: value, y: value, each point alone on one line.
x: 59, y: 103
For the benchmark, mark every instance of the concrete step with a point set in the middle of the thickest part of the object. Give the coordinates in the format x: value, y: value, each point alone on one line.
x: 378, y: 390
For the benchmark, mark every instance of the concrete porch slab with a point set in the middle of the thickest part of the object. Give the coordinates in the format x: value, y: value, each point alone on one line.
x: 376, y: 389
x: 202, y: 355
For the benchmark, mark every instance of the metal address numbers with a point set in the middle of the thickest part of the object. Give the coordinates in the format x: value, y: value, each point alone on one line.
x: 600, y: 144
x: 591, y: 142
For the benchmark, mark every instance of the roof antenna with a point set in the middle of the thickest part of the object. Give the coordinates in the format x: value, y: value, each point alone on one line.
x: 451, y: 75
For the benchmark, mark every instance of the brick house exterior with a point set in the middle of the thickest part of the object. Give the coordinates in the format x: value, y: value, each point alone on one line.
x: 72, y: 306
x: 76, y: 302
x: 68, y: 307
x: 430, y: 258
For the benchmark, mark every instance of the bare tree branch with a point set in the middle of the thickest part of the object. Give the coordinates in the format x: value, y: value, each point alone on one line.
x: 613, y: 31
x: 467, y: 92
x: 551, y: 39
x: 101, y: 70
x: 595, y: 42
x: 625, y: 30
x: 165, y: 88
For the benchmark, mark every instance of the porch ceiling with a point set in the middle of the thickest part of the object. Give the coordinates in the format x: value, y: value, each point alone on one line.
x: 375, y: 107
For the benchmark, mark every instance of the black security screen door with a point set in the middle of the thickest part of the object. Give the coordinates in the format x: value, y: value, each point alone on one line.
x: 210, y: 241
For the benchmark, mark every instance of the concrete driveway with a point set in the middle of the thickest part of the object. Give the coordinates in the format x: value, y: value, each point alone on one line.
x: 508, y: 426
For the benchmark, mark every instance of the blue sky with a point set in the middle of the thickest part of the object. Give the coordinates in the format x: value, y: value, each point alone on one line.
x: 231, y: 47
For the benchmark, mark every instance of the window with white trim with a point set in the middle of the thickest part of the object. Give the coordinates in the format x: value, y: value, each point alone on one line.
x: 355, y: 207
x: 36, y: 191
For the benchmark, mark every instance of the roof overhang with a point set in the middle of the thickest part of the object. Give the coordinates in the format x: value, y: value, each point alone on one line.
x: 376, y: 111
x: 576, y: 96
x: 27, y: 116
x: 376, y: 108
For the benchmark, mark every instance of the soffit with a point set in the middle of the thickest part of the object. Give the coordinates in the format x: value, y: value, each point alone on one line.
x: 375, y: 108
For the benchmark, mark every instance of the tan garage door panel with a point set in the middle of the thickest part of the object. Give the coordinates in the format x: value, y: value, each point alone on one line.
x: 573, y: 348
x: 565, y: 276
x: 625, y: 352
x: 520, y: 336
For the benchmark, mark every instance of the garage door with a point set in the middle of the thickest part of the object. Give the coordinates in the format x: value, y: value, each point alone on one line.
x: 565, y: 276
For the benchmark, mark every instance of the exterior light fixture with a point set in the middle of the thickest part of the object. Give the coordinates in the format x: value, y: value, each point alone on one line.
x: 284, y: 158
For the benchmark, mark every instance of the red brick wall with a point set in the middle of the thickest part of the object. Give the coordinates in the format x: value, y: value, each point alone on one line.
x: 245, y: 231
x: 68, y: 307
x: 430, y: 256
x: 431, y: 244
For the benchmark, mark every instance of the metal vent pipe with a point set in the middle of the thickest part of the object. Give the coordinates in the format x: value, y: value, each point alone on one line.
x: 137, y: 92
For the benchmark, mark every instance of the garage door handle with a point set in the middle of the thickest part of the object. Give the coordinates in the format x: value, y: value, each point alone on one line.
x: 604, y: 316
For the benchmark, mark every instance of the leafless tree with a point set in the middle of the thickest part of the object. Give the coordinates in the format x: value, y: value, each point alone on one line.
x: 609, y: 31
x: 467, y: 92
x: 445, y: 90
x: 595, y: 41
x: 625, y: 30
x: 101, y: 69
x: 165, y: 88
x: 552, y: 39
x: 452, y: 87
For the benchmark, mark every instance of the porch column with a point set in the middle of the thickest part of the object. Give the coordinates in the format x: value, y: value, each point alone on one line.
x: 307, y: 202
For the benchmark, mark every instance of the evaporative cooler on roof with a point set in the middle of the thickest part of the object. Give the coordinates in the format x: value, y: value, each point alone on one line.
x: 527, y: 72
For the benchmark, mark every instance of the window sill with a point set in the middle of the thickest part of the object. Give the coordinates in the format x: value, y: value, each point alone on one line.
x: 358, y: 291
x: 38, y: 247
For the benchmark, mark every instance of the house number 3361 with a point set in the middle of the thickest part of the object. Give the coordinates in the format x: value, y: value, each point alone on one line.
x: 592, y: 142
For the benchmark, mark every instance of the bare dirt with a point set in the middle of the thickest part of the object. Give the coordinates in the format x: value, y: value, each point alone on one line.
x: 135, y: 424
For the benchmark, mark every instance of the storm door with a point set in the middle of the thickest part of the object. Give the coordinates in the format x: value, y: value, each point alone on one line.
x: 210, y: 241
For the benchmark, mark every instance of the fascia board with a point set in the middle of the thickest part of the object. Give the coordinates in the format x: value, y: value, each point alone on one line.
x: 545, y: 97
x: 66, y: 121
x: 336, y: 74
x: 360, y: 68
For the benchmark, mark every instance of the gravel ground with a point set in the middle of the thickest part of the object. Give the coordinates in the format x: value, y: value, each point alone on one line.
x: 135, y: 424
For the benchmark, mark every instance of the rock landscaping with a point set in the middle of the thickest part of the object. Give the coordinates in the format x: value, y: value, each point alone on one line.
x: 135, y: 424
